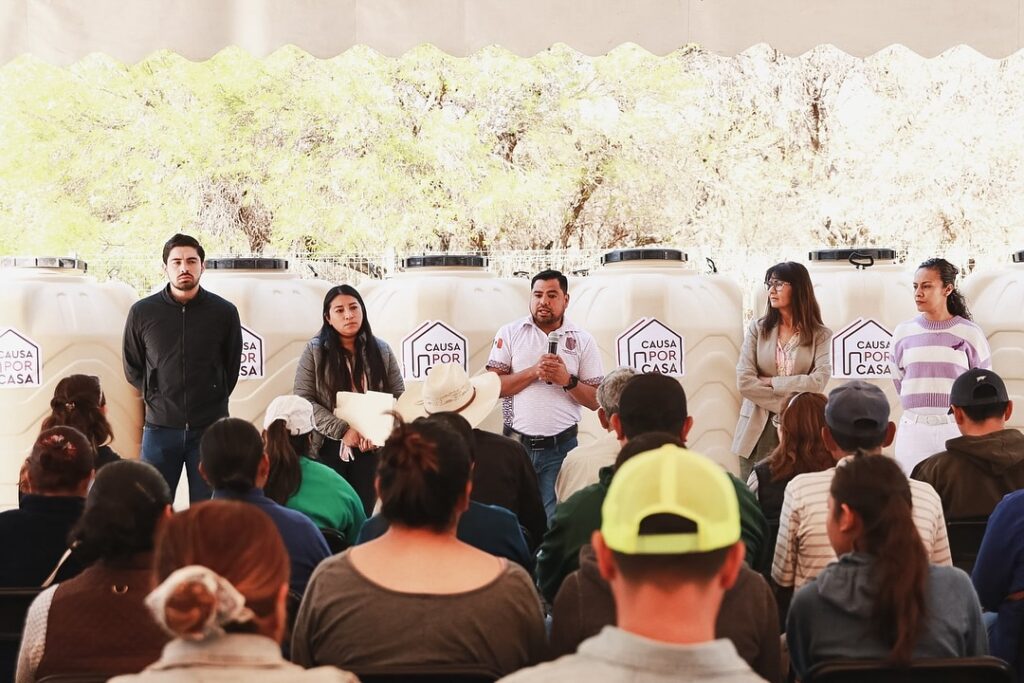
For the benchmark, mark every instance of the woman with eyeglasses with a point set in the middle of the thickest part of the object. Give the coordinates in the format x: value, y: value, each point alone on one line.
x: 928, y: 353
x: 78, y: 401
x: 785, y: 351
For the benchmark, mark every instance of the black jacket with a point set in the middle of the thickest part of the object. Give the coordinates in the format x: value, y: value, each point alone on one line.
x: 184, y: 358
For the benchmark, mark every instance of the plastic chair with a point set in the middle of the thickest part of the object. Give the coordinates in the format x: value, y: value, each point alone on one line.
x: 336, y: 540
x: 964, y: 541
x: 959, y: 670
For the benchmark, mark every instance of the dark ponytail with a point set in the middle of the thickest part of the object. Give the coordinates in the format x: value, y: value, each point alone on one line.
x: 956, y: 304
x: 283, y: 450
x: 874, y: 487
x: 424, y: 469
x: 77, y: 402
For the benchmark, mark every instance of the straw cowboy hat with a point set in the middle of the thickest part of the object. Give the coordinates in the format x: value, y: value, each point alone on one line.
x: 449, y: 389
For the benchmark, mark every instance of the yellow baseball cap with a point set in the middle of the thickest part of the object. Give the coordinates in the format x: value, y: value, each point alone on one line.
x: 675, y: 481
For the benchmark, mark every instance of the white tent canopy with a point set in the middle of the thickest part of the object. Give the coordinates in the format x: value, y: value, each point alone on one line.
x: 64, y: 31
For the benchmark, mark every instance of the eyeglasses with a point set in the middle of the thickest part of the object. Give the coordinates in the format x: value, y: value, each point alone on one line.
x: 777, y: 285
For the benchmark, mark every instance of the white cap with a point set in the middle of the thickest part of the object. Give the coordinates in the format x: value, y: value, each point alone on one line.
x: 296, y: 412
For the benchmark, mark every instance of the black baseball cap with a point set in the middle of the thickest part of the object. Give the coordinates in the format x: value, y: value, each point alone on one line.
x: 977, y: 387
x: 857, y: 408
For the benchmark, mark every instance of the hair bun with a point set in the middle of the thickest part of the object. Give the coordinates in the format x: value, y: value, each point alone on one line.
x: 188, y: 609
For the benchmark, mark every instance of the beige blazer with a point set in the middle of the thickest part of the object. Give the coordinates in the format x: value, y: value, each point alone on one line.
x: 812, y: 369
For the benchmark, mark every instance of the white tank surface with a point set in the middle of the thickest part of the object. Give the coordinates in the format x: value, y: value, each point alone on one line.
x: 996, y: 300
x: 649, y: 309
x: 867, y: 285
x: 57, y: 321
x: 444, y: 306
x: 280, y: 312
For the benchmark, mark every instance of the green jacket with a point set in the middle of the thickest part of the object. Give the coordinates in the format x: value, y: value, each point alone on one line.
x: 326, y: 498
x: 580, y: 515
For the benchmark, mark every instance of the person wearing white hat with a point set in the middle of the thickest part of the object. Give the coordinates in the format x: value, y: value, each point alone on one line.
x: 503, y: 474
x: 299, y: 482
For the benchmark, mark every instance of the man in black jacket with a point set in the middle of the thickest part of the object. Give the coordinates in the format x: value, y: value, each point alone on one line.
x: 182, y: 350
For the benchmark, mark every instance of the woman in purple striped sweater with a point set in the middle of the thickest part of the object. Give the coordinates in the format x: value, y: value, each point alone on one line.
x: 928, y: 353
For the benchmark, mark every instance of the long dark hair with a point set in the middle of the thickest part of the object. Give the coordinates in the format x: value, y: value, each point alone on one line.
x: 283, y: 451
x: 77, y: 402
x: 875, y: 488
x: 806, y: 313
x: 800, y: 448
x: 335, y: 371
x: 956, y: 304
x: 230, y: 452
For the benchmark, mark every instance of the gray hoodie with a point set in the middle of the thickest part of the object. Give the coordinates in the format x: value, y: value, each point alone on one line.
x: 830, y: 617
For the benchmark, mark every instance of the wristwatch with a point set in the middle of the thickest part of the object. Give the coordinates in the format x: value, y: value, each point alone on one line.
x: 573, y: 381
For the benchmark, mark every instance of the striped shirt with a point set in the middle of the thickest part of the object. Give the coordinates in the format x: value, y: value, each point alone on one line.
x: 928, y: 356
x: 803, y: 549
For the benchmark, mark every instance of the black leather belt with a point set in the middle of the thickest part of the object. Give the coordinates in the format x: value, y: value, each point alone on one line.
x: 539, y: 443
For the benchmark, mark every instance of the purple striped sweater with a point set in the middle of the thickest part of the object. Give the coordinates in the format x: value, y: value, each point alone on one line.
x: 927, y: 356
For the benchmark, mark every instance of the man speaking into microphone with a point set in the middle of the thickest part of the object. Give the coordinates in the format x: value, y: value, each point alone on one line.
x: 548, y: 369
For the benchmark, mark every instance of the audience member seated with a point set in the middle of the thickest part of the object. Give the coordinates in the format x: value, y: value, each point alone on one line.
x: 78, y: 401
x: 34, y: 537
x: 649, y: 403
x: 299, y: 482
x: 669, y: 546
x: 502, y: 474
x: 222, y: 572
x: 800, y: 450
x: 232, y: 461
x: 417, y: 600
x: 490, y: 528
x: 998, y: 578
x: 748, y: 616
x: 881, y: 600
x: 97, y: 622
x: 984, y: 464
x: 856, y: 422
x: 582, y: 466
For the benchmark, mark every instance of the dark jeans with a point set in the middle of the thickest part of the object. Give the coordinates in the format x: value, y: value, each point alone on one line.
x: 167, y: 449
x: 360, y: 472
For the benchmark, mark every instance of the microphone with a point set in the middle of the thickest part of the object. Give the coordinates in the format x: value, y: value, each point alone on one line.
x: 553, y: 338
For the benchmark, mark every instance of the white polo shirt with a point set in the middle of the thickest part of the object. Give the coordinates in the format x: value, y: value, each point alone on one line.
x: 543, y: 409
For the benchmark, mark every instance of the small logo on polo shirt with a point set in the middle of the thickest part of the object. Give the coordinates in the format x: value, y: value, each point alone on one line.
x: 498, y: 342
x: 570, y: 343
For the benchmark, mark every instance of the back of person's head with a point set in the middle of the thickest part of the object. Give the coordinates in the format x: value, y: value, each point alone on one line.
x: 287, y: 430
x: 61, y: 462
x: 424, y: 469
x: 652, y: 403
x: 182, y: 240
x: 857, y: 415
x: 124, y: 506
x: 670, y: 516
x: 241, y: 546
x: 230, y: 453
x: 457, y: 424
x: 877, y: 492
x: 609, y: 393
x: 650, y: 441
x: 801, y: 448
x: 78, y: 402
x: 981, y: 395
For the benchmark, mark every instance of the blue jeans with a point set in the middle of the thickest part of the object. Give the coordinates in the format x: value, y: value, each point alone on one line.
x: 167, y: 449
x: 547, y: 462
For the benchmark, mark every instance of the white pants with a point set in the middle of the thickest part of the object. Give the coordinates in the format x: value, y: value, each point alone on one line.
x: 922, y: 436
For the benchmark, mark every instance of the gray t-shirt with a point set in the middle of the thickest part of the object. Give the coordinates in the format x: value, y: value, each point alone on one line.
x: 349, y: 621
x: 617, y: 655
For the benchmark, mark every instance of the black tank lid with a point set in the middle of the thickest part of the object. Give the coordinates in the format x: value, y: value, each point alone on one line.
x: 445, y: 260
x: 882, y: 254
x: 61, y: 262
x: 1018, y: 257
x: 623, y: 255
x: 249, y: 263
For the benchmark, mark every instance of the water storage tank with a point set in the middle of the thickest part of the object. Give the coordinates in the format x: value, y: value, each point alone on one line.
x: 996, y: 300
x: 280, y: 312
x: 56, y: 321
x: 446, y: 308
x: 649, y: 309
x: 863, y: 295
